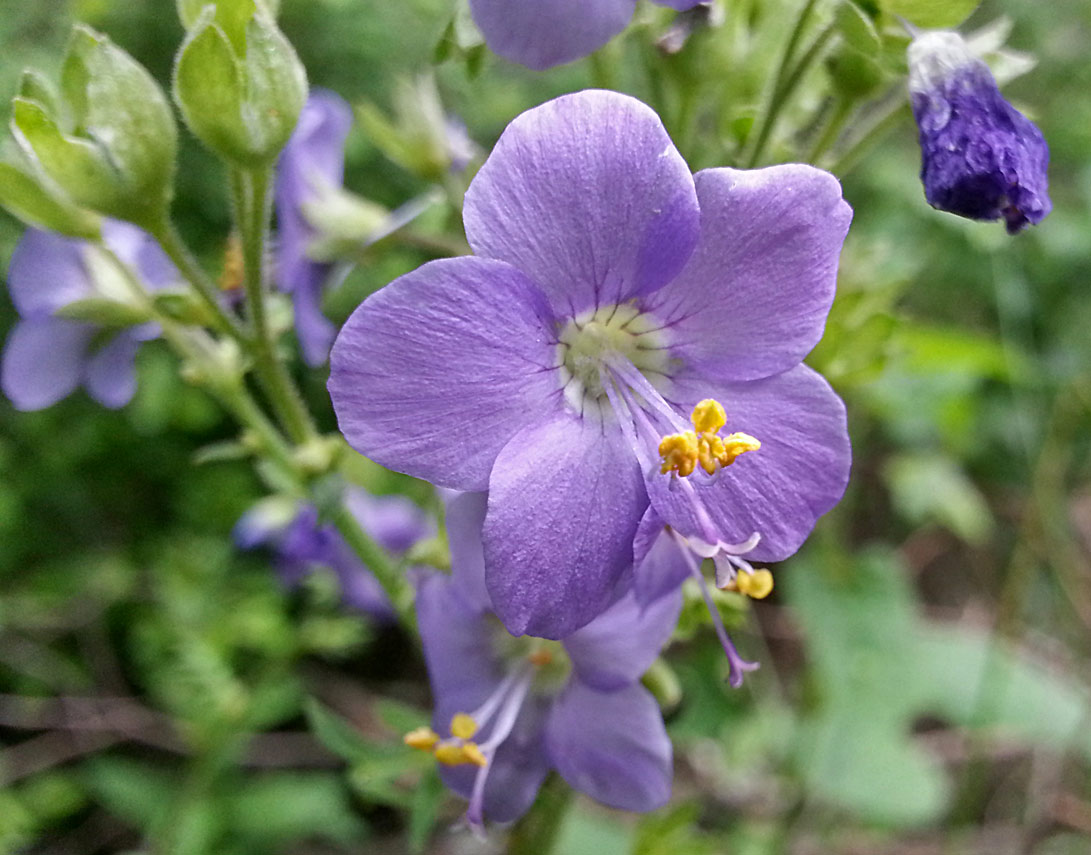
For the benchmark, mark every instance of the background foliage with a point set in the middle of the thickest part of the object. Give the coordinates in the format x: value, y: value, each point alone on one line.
x: 924, y: 682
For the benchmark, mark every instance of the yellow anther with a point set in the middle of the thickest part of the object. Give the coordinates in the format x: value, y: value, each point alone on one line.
x: 423, y: 738
x: 757, y: 585
x: 463, y: 726
x: 709, y: 416
x: 474, y: 754
x: 458, y: 753
x: 679, y: 452
x: 736, y: 444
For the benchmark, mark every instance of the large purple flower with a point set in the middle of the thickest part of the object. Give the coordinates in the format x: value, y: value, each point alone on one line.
x: 611, y: 292
x: 542, y: 33
x: 47, y: 357
x: 980, y: 157
x: 508, y: 710
x: 301, y: 544
x: 312, y: 162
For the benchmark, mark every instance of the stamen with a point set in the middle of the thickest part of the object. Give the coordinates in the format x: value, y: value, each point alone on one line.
x: 681, y: 452
x: 463, y: 726
x: 737, y: 666
x: 423, y: 739
x: 757, y: 584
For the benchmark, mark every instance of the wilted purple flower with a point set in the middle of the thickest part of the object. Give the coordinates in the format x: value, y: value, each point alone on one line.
x: 312, y: 163
x: 980, y: 157
x: 46, y: 357
x: 542, y: 33
x: 508, y: 710
x: 610, y: 294
x: 302, y: 544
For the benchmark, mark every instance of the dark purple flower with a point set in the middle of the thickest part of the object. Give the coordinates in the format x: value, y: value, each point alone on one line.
x: 47, y: 357
x: 302, y: 545
x: 508, y: 710
x: 542, y: 33
x: 312, y: 163
x: 980, y: 157
x: 611, y: 292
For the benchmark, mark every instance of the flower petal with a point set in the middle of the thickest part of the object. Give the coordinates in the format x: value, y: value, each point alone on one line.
x: 658, y: 565
x: 754, y: 297
x: 140, y: 251
x: 434, y: 373
x: 44, y: 361
x: 111, y: 374
x: 564, y: 501
x: 588, y: 196
x: 618, y: 646
x: 540, y: 35
x: 780, y: 490
x: 394, y: 521
x: 680, y: 5
x: 465, y: 519
x: 611, y: 746
x: 47, y: 272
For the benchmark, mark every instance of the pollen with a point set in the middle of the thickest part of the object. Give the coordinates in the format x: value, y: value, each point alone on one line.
x: 757, y: 584
x: 423, y: 738
x: 460, y: 753
x: 682, y: 452
x: 540, y: 657
x: 463, y: 726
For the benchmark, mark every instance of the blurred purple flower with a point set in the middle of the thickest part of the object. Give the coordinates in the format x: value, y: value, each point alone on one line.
x: 301, y: 544
x: 312, y: 162
x: 543, y: 33
x: 609, y: 294
x: 508, y: 710
x: 47, y: 357
x: 980, y: 157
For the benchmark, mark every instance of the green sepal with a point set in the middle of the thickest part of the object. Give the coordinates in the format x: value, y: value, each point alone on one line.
x: 25, y: 197
x: 184, y: 307
x: 239, y: 83
x: 103, y: 312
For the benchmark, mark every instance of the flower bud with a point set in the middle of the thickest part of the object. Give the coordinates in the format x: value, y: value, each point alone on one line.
x: 239, y: 83
x: 108, y: 142
x: 980, y: 157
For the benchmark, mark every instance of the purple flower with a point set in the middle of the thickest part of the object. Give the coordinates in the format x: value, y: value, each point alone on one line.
x: 302, y: 545
x: 312, y: 163
x: 508, y: 710
x: 542, y: 33
x: 561, y: 366
x: 47, y: 357
x: 980, y: 157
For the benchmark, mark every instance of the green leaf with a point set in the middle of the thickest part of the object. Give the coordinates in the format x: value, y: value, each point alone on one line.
x: 932, y: 488
x: 931, y: 14
x: 335, y: 733
x: 283, y: 807
x: 424, y: 809
x: 26, y: 198
x: 857, y: 29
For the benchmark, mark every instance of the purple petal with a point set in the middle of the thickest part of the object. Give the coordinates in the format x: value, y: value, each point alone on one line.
x: 541, y: 34
x: 680, y: 5
x: 46, y: 273
x: 611, y: 746
x: 658, y: 565
x: 44, y: 361
x: 315, y: 331
x: 618, y: 646
x: 754, y: 297
x: 465, y: 519
x: 457, y: 638
x: 780, y: 490
x: 564, y: 502
x: 433, y: 374
x: 140, y: 251
x: 111, y: 373
x: 394, y: 521
x: 588, y: 196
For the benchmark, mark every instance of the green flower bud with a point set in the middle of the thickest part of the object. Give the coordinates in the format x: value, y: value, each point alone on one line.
x: 108, y: 142
x: 239, y: 83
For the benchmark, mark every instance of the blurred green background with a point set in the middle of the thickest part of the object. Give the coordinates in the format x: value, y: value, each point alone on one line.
x: 924, y: 686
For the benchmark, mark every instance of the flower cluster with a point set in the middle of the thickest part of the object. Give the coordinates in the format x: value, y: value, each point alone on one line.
x: 616, y: 377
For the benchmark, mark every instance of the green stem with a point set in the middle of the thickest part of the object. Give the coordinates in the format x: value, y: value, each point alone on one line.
x: 376, y: 560
x: 537, y: 832
x: 863, y: 144
x: 775, y: 96
x: 177, y: 251
x: 835, y: 123
x: 253, y: 202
